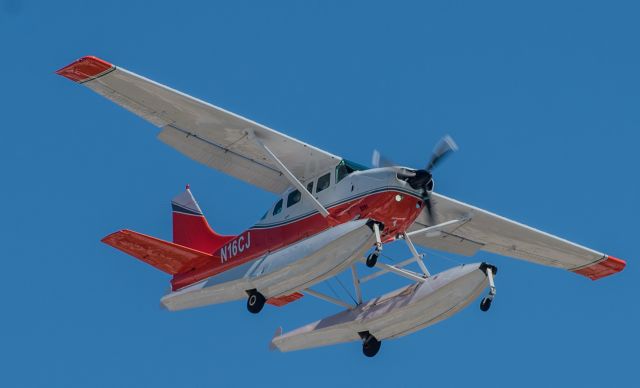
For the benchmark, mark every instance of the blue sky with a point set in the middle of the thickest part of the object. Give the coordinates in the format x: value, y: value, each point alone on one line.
x: 542, y: 99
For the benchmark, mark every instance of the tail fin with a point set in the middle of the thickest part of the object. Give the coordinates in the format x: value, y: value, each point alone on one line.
x: 190, y: 228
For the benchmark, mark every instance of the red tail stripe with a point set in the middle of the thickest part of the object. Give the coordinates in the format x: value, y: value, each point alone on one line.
x: 194, y: 232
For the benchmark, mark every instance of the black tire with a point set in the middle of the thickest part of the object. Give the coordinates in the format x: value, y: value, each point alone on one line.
x: 370, y: 346
x: 485, y: 304
x: 255, y: 302
x: 372, y: 259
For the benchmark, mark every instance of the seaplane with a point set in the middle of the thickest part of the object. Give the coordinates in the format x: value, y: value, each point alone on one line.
x: 330, y: 216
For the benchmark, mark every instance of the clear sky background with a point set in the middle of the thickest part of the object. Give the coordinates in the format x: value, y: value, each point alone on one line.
x: 542, y: 98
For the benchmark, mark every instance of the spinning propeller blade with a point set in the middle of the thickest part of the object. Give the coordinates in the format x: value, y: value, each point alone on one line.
x: 445, y: 146
x: 378, y: 160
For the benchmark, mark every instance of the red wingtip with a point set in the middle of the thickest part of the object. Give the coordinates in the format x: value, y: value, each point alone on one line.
x: 188, y: 186
x: 606, y: 267
x: 85, y: 68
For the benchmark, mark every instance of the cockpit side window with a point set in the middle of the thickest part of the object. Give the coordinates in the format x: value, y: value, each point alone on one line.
x: 341, y: 172
x: 293, y: 198
x: 323, y: 182
x: 278, y: 208
x: 344, y: 169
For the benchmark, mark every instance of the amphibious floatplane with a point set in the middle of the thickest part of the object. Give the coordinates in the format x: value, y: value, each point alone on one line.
x: 329, y: 213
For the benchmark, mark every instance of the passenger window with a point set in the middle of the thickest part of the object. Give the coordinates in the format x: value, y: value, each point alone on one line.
x: 293, y: 198
x: 310, y: 187
x: 278, y: 207
x: 323, y: 182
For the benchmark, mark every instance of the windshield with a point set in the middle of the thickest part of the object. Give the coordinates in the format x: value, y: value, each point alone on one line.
x: 345, y: 167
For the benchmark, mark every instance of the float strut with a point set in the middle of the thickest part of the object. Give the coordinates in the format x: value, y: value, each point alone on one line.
x: 490, y: 270
x: 372, y: 259
x: 376, y: 230
x: 492, y: 285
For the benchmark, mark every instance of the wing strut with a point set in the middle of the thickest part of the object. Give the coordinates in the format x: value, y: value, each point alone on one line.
x: 436, y: 228
x: 285, y: 171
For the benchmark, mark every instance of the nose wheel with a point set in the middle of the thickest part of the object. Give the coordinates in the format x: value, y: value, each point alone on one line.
x: 490, y: 270
x: 255, y: 302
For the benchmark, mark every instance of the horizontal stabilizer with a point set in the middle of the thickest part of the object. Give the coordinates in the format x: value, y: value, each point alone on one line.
x: 165, y: 256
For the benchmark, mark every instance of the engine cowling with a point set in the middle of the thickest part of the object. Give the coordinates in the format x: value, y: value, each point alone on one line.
x: 418, y: 179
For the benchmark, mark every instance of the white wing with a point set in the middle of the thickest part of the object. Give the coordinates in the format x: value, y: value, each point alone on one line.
x: 492, y: 233
x: 204, y: 132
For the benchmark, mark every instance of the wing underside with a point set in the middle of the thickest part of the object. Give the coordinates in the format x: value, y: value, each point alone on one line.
x: 221, y: 140
x: 204, y: 132
x: 480, y: 230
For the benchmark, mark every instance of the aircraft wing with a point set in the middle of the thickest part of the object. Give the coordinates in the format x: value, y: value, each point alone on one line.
x: 480, y: 230
x: 204, y: 132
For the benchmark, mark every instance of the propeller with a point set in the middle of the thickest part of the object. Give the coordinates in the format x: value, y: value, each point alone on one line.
x: 377, y: 160
x: 445, y: 147
x: 421, y: 179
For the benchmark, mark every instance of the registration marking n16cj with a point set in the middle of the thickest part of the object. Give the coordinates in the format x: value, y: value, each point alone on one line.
x: 235, y: 247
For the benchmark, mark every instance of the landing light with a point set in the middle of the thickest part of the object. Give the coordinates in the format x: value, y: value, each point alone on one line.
x: 398, y: 197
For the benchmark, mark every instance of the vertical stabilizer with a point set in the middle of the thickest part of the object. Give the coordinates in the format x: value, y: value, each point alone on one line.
x: 190, y: 227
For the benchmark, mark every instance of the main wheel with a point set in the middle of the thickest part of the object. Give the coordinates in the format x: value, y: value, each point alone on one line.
x: 372, y: 259
x: 370, y: 346
x: 485, y: 304
x: 255, y: 302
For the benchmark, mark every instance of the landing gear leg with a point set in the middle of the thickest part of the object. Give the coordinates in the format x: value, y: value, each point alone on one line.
x: 485, y: 304
x: 255, y: 302
x: 370, y: 344
x: 372, y: 259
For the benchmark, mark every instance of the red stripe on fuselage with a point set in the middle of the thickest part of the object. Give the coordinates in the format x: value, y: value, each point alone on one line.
x: 397, y: 217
